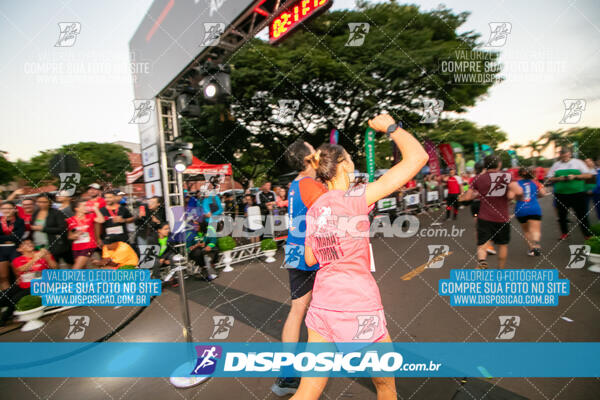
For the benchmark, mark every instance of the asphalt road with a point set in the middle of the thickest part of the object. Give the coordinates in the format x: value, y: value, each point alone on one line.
x: 256, y: 294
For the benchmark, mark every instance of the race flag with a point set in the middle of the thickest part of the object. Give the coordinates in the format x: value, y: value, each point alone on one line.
x: 447, y: 154
x: 333, y: 136
x: 434, y: 161
x: 575, y: 151
x: 477, y: 152
x: 370, y: 153
x: 459, y: 158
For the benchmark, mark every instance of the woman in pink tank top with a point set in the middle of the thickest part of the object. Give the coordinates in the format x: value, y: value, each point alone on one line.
x: 346, y: 304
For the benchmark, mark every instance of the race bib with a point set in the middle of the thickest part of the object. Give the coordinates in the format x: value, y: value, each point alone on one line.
x: 28, y: 276
x: 114, y: 230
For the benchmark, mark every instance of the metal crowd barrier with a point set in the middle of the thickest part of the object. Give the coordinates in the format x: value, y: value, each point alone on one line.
x: 412, y: 201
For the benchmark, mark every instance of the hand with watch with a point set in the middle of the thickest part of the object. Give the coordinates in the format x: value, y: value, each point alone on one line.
x: 385, y: 123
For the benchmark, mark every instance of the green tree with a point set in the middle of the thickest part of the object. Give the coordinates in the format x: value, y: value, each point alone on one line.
x: 588, y: 139
x: 104, y: 163
x: 7, y: 170
x: 337, y: 86
x: 464, y: 132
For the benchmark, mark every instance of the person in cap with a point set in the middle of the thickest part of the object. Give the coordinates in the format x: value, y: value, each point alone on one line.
x: 93, y: 196
x: 121, y: 199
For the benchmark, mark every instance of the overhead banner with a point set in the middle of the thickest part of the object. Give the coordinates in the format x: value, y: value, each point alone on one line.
x: 370, y: 153
x: 447, y: 154
x: 434, y: 162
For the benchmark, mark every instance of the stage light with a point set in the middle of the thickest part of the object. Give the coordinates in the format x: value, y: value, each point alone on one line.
x: 216, y: 87
x: 179, y: 155
x: 210, y: 90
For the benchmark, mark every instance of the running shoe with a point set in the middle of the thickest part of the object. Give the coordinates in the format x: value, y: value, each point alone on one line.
x: 531, y: 253
x: 482, y: 264
x: 537, y: 252
x: 491, y: 250
x: 211, y: 277
x: 285, y: 386
x: 563, y: 236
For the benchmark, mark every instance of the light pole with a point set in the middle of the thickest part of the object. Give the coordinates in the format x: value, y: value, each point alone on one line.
x: 180, y: 157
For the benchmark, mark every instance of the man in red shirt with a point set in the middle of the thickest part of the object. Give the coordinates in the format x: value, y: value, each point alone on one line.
x: 454, y: 184
x: 495, y: 189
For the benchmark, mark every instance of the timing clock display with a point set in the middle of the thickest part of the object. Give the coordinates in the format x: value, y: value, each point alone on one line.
x: 298, y: 12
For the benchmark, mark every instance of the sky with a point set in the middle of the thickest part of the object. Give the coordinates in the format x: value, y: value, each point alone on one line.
x: 53, y: 96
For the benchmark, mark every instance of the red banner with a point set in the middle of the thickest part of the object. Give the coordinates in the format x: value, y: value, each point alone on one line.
x: 434, y: 162
x: 447, y: 155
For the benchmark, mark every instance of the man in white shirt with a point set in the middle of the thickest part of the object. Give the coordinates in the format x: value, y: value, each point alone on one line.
x: 568, y: 176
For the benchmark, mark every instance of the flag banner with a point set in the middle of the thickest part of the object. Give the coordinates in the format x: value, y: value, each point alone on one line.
x: 259, y: 359
x: 514, y: 161
x: 447, y: 155
x: 334, y: 136
x: 396, y: 156
x: 370, y: 153
x: 460, y: 163
x: 575, y: 151
x: 477, y: 152
x: 434, y: 161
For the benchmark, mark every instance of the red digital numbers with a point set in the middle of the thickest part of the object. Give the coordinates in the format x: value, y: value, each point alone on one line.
x: 298, y: 12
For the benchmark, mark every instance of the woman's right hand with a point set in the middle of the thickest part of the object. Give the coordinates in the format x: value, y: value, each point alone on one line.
x: 381, y: 122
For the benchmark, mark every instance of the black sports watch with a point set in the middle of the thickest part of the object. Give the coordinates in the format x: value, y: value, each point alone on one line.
x: 392, y: 128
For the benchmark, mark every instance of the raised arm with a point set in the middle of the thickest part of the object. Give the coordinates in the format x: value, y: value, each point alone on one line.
x: 414, y: 158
